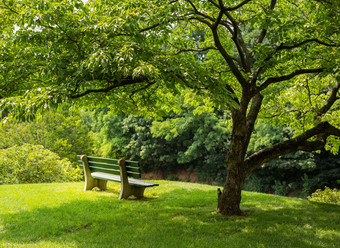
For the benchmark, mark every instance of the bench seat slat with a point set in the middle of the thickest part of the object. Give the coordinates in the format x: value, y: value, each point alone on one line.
x: 95, y: 166
x: 80, y: 164
x: 105, y: 170
x: 112, y: 161
x: 113, y: 166
x: 105, y: 176
x: 105, y: 165
x: 113, y: 172
x: 132, y: 181
x: 102, y: 160
x: 131, y: 163
x: 131, y: 168
x: 110, y: 170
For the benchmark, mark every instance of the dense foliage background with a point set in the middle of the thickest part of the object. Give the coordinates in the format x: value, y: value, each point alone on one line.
x: 192, y: 140
x: 197, y: 142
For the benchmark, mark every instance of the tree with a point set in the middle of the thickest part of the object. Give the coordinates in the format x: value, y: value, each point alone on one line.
x: 277, y: 60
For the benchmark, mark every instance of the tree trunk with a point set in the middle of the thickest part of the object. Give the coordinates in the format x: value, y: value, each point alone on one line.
x: 230, y: 199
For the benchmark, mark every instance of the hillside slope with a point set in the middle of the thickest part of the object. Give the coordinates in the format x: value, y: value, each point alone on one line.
x: 175, y: 214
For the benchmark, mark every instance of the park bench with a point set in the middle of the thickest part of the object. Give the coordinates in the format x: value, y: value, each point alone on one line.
x: 98, y: 171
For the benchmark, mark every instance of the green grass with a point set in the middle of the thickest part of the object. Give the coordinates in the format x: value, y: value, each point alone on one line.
x: 175, y: 214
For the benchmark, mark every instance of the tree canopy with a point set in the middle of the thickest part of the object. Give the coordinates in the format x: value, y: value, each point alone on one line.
x: 276, y: 60
x: 136, y: 53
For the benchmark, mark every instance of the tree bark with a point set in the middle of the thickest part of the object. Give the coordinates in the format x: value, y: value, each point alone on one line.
x: 230, y: 199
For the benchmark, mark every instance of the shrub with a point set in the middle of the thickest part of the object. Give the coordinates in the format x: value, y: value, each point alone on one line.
x: 253, y: 183
x: 173, y: 178
x: 327, y: 196
x: 34, y: 164
x: 58, y: 132
x: 281, y: 188
x: 309, y: 185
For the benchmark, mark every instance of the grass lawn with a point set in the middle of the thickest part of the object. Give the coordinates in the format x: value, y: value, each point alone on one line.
x: 176, y: 214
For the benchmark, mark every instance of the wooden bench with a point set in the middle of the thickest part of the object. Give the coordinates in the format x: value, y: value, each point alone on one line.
x: 98, y: 171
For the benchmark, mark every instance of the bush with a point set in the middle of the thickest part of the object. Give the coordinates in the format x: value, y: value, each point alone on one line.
x: 309, y: 185
x: 34, y: 164
x: 58, y: 132
x: 281, y: 188
x: 327, y: 196
x: 173, y: 178
x: 253, y: 183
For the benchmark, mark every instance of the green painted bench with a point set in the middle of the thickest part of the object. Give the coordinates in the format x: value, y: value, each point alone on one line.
x: 98, y: 171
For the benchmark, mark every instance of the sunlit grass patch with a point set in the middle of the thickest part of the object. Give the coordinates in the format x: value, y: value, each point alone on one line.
x: 175, y: 214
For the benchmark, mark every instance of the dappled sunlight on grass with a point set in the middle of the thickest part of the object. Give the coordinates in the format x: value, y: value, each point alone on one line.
x: 174, y: 214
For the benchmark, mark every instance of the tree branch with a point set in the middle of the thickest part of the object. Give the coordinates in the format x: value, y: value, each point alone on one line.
x: 224, y: 53
x: 196, y: 12
x: 282, y: 46
x: 252, y: 115
x: 150, y: 27
x: 193, y: 6
x: 299, y: 143
x: 245, y: 55
x: 239, y: 43
x: 331, y: 100
x: 228, y: 25
x: 124, y: 82
x: 254, y: 110
x: 195, y: 50
x: 264, y: 31
x: 138, y: 90
x: 237, y: 6
x: 214, y: 3
x: 5, y: 6
x: 287, y: 77
x: 202, y: 20
x: 288, y: 112
x: 231, y: 90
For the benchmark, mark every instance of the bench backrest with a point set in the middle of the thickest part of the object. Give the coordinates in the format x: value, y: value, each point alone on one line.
x: 110, y: 166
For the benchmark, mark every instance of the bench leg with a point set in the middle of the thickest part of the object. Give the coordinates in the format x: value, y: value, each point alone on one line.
x: 102, y: 184
x: 91, y: 183
x: 125, y: 192
x: 138, y: 192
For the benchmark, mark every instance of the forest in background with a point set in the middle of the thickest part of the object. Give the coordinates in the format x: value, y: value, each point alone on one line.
x: 192, y: 140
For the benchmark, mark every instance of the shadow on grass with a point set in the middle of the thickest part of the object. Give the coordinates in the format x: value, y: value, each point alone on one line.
x: 179, y: 218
